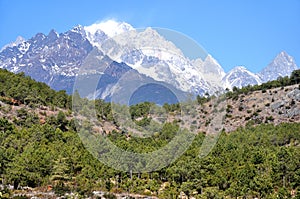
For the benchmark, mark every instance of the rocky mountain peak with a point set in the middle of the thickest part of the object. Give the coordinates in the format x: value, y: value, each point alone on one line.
x: 282, y: 65
x: 18, y: 41
x: 53, y: 35
x: 56, y: 58
x: 240, y: 77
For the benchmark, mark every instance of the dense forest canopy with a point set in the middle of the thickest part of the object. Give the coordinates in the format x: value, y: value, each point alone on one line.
x: 256, y: 161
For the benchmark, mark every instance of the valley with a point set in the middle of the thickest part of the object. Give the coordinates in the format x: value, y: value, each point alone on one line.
x: 254, y: 155
x: 111, y: 111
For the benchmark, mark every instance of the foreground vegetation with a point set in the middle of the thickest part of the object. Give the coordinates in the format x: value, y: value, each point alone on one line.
x: 261, y: 161
x: 256, y: 161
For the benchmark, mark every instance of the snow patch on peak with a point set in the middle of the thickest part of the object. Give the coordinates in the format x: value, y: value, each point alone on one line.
x: 110, y: 27
x: 239, y: 77
x: 210, y: 58
x: 283, y: 56
x: 282, y: 65
x: 211, y: 70
x: 18, y: 41
x: 239, y: 68
x: 213, y: 66
x: 151, y: 32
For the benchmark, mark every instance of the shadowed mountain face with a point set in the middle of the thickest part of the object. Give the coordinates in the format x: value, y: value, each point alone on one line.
x: 61, y: 59
x: 53, y: 59
x: 155, y: 93
x: 95, y: 54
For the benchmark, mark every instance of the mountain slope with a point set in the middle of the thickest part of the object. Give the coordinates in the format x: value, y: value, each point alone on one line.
x: 42, y: 146
x: 131, y: 47
x: 18, y: 41
x: 282, y: 65
x: 153, y: 55
x: 57, y: 59
x: 211, y: 70
x: 240, y: 77
x: 48, y: 58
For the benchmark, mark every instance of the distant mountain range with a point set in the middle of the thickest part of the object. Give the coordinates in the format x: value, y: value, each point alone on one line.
x: 101, y: 52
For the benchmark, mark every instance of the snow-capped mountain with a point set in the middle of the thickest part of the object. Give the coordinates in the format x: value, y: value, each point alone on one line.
x: 283, y: 65
x: 58, y: 59
x: 115, y: 49
x: 211, y: 71
x: 153, y: 55
x: 18, y: 41
x: 52, y: 58
x: 97, y: 33
x: 240, y: 77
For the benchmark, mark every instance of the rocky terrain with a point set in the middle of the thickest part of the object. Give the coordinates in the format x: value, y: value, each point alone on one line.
x: 277, y: 105
x: 35, y: 130
x: 59, y: 58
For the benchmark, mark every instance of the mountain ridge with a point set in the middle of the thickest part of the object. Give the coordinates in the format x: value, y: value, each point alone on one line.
x: 56, y: 59
x: 282, y: 65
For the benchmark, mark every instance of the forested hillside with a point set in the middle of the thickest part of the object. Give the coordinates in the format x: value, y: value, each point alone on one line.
x: 40, y: 149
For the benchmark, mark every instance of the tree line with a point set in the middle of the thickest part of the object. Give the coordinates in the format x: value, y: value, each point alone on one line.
x: 261, y: 161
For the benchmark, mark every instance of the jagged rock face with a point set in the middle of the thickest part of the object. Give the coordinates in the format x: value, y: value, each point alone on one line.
x: 283, y: 65
x: 240, y: 77
x: 196, y: 76
x: 57, y: 59
x: 48, y: 58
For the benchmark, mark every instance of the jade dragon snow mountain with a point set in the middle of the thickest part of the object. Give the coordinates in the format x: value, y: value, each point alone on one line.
x: 100, y: 49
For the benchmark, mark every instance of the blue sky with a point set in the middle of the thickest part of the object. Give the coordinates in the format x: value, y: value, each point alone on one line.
x: 235, y: 32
